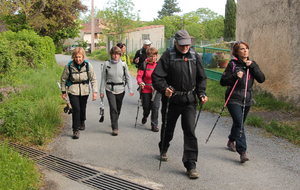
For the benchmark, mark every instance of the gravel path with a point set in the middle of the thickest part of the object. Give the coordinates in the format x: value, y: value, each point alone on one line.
x: 274, y: 163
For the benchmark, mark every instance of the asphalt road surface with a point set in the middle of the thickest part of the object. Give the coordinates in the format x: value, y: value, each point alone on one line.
x: 133, y: 154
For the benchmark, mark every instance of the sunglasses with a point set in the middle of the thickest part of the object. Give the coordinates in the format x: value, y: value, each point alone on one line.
x: 183, y: 45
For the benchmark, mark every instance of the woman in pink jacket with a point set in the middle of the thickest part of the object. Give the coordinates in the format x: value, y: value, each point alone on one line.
x: 150, y: 97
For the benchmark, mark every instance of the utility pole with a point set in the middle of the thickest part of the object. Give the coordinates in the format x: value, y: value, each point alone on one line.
x: 92, y: 29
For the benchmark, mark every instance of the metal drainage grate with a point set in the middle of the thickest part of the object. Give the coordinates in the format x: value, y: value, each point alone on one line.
x: 76, y: 172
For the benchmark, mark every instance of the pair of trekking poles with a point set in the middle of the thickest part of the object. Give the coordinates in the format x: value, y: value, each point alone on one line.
x: 241, y: 131
x: 244, y: 105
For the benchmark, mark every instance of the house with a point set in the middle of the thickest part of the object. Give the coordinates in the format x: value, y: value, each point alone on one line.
x: 133, y: 40
x: 85, y: 33
x: 135, y: 37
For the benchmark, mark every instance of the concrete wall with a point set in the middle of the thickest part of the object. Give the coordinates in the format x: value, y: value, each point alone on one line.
x: 271, y: 27
x: 135, y: 42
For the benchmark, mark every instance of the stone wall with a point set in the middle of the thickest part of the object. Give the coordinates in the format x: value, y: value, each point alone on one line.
x: 271, y: 27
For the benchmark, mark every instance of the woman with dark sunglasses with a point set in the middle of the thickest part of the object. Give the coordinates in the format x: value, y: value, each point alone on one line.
x: 241, y: 99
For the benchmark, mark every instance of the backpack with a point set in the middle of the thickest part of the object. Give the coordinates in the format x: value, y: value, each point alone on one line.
x: 69, y: 80
x: 173, y: 55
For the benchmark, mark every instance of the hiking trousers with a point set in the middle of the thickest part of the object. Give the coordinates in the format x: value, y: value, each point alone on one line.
x: 152, y: 106
x: 188, y: 115
x: 236, y: 112
x: 115, y: 105
x: 78, y: 104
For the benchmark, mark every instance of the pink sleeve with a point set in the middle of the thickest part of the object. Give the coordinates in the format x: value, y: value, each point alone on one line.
x: 139, y: 76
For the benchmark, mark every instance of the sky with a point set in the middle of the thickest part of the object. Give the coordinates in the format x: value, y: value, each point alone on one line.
x: 148, y: 9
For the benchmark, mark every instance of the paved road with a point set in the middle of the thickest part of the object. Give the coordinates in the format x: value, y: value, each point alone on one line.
x: 274, y: 163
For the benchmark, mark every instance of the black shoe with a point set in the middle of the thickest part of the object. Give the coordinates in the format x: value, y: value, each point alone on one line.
x: 82, y: 126
x: 144, y: 120
x: 76, y: 135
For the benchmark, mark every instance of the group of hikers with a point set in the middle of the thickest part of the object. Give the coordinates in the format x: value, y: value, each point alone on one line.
x: 177, y: 80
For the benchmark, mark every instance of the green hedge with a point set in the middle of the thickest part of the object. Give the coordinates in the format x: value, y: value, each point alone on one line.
x: 25, y: 49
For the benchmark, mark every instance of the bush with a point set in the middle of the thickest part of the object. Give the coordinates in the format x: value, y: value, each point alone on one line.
x: 25, y: 49
x: 58, y: 49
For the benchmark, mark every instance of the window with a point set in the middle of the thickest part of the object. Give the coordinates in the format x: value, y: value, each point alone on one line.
x: 145, y: 36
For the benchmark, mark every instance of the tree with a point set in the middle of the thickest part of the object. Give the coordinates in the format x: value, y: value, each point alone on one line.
x: 56, y: 19
x: 230, y: 19
x: 118, y: 19
x: 201, y: 24
x: 168, y: 9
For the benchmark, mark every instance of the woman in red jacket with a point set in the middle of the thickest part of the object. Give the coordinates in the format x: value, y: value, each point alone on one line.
x: 150, y: 97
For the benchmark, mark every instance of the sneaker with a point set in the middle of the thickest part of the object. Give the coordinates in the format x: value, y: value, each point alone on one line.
x: 231, y: 146
x: 76, y: 135
x: 115, y: 132
x: 244, y: 157
x: 82, y: 126
x: 164, y: 157
x: 193, y: 174
x: 154, y: 129
x: 144, y: 120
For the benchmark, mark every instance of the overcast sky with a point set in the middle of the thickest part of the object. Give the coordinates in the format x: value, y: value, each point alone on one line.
x: 148, y: 9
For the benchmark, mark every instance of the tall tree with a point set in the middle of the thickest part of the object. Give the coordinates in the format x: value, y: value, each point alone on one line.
x: 168, y: 9
x: 118, y: 19
x: 56, y: 19
x: 230, y: 19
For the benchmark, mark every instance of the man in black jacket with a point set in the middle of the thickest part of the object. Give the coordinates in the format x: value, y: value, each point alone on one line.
x: 141, y: 54
x: 180, y: 77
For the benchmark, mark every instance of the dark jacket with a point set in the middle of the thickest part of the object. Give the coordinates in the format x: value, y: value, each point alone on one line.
x: 141, y: 53
x: 181, y: 75
x: 229, y: 78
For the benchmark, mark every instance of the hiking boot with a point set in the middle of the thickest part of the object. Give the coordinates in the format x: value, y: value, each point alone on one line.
x: 231, y: 146
x: 164, y: 157
x: 154, y: 129
x: 144, y: 120
x: 82, y: 126
x: 75, y: 134
x: 115, y: 132
x: 244, y: 157
x: 193, y: 174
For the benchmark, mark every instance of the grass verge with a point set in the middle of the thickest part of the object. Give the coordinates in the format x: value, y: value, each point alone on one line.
x: 16, y: 171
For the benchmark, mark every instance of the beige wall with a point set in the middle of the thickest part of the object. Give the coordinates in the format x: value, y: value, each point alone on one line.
x: 271, y: 27
x: 135, y: 41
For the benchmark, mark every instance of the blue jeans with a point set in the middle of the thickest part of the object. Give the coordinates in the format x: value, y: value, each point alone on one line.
x: 236, y: 112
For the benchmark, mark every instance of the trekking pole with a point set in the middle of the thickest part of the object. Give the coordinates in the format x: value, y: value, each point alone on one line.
x: 244, y: 103
x: 138, y: 107
x: 164, y: 132
x: 199, y: 111
x: 222, y: 110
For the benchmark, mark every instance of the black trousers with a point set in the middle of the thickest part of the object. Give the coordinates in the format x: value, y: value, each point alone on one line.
x: 152, y: 106
x: 78, y: 104
x: 115, y: 105
x: 188, y: 115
